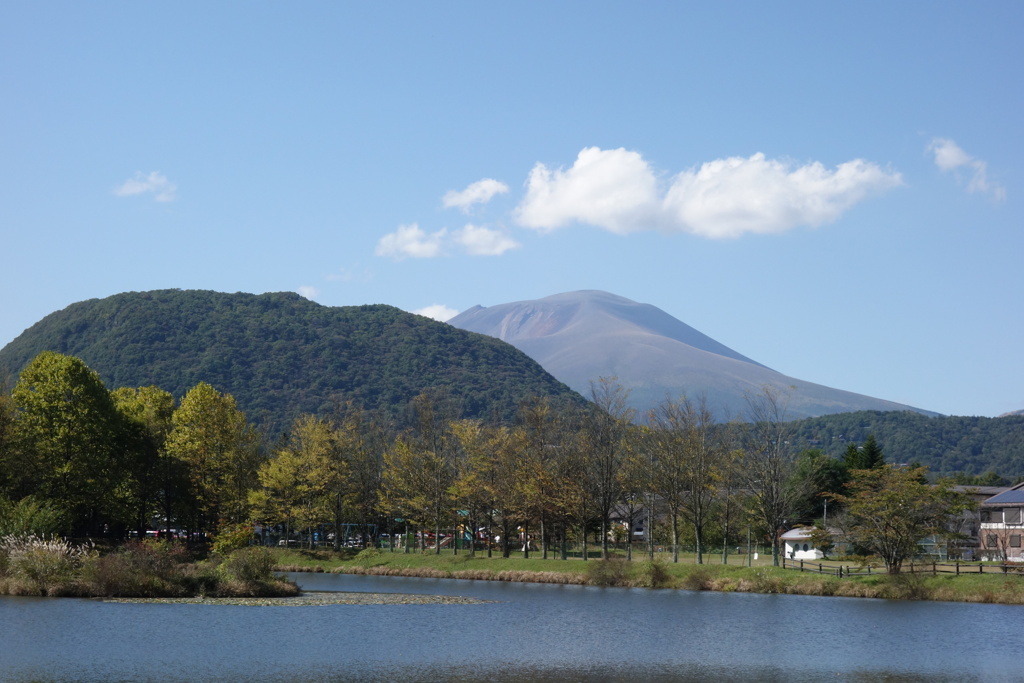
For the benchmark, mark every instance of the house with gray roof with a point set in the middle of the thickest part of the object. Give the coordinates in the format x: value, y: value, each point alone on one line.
x: 1002, y: 526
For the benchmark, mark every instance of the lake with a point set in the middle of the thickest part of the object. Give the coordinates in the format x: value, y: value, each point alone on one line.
x: 530, y: 632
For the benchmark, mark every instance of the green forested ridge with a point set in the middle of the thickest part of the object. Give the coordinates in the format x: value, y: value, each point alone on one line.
x: 281, y: 355
x: 946, y: 445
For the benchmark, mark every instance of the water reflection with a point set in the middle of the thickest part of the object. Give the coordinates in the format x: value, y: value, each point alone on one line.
x: 532, y: 632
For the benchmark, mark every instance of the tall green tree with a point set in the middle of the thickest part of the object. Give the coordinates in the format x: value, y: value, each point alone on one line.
x: 890, y: 510
x: 220, y: 448
x: 474, y: 471
x: 70, y: 441
x: 158, y: 484
x: 865, y: 457
x: 360, y: 443
x: 816, y: 476
x: 9, y: 476
x: 416, y: 485
x: 306, y: 482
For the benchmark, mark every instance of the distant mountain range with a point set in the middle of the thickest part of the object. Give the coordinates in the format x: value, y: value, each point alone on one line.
x: 281, y: 355
x: 581, y: 336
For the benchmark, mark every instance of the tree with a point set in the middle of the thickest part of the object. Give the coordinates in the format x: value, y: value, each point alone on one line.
x: 606, y: 430
x: 306, y: 481
x: 417, y: 485
x: 474, y: 467
x: 419, y: 467
x: 360, y: 444
x: 815, y: 476
x: 768, y: 464
x: 866, y: 457
x: 635, y: 484
x: 8, y: 467
x: 889, y: 510
x: 159, y: 482
x: 214, y: 439
x: 30, y: 517
x: 69, y: 437
x: 690, y: 458
x: 540, y: 427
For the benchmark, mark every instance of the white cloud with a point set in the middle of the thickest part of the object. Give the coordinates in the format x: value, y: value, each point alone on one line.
x: 155, y: 183
x: 308, y: 292
x: 613, y: 189
x: 949, y: 156
x: 410, y: 241
x: 617, y: 190
x: 480, y: 192
x: 730, y: 197
x: 437, y: 312
x: 480, y: 241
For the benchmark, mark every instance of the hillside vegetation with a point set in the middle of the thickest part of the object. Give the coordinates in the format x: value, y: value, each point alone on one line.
x: 946, y: 445
x: 281, y: 355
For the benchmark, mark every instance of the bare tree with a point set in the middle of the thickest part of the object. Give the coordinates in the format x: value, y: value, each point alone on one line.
x: 606, y: 432
x: 768, y: 463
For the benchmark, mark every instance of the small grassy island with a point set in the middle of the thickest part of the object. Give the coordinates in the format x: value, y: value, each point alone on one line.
x: 32, y: 565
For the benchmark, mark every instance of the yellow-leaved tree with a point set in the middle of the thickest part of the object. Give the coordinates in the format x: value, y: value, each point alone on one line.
x: 220, y: 450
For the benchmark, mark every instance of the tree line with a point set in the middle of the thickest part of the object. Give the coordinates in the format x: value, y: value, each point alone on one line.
x: 81, y: 460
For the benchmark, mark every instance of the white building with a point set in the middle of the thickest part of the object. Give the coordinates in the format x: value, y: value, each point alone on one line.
x: 798, y: 545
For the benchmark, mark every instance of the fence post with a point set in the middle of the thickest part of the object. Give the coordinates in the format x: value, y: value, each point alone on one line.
x: 958, y: 567
x: 841, y: 571
x: 801, y: 565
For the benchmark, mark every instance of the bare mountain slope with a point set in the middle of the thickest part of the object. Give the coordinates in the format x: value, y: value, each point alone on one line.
x: 580, y: 336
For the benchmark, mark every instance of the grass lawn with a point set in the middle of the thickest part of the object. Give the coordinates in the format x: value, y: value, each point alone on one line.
x: 662, y: 573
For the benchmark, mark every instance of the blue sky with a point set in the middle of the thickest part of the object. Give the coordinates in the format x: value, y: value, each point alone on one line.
x: 831, y: 189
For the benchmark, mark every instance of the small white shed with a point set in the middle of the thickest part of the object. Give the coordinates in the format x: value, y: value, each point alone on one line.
x: 798, y: 545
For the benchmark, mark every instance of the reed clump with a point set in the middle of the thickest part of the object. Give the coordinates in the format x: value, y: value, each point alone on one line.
x: 608, y: 572
x: 31, y: 565
x: 34, y: 565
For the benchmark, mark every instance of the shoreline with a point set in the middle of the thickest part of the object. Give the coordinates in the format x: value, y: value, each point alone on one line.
x: 988, y: 589
x: 313, y: 599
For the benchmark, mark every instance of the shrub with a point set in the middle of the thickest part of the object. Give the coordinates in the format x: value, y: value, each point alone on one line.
x: 608, y: 572
x: 653, y: 574
x: 42, y: 566
x: 250, y: 565
x: 765, y: 581
x: 368, y: 554
x: 697, y: 579
x: 138, y: 569
x: 907, y: 586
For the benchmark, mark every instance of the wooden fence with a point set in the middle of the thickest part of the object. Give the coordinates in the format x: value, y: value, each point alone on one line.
x: 958, y: 568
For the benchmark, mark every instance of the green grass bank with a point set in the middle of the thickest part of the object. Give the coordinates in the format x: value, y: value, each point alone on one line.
x: 661, y: 574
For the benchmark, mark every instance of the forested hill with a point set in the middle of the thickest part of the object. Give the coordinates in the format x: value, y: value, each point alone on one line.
x: 947, y: 445
x: 281, y: 355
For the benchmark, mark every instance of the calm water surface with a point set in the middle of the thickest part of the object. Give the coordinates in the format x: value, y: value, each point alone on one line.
x: 532, y: 632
